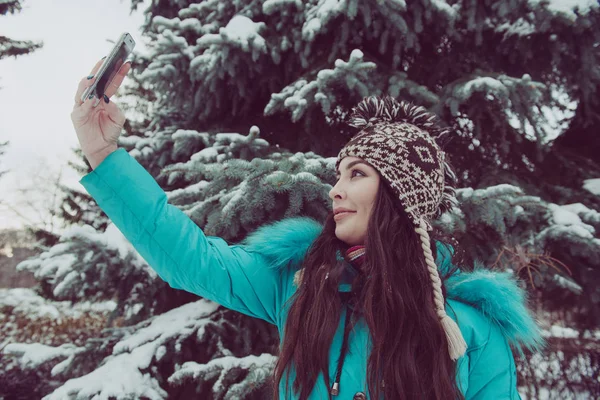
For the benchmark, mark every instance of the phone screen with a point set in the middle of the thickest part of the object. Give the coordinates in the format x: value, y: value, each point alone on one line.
x: 112, y: 69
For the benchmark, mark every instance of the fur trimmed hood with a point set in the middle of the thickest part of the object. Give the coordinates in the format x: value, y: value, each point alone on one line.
x: 495, y: 294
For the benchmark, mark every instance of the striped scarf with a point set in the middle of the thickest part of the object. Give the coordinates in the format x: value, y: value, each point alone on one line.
x: 356, y: 256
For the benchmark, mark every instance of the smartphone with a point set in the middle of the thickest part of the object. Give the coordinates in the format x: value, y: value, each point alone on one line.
x: 109, y: 68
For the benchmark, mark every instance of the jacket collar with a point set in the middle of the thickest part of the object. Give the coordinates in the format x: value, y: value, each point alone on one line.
x: 495, y: 294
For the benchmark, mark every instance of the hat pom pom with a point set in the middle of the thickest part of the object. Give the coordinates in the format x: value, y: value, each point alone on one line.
x: 373, y: 110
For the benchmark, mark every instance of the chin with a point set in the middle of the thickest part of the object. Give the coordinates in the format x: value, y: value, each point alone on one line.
x: 349, y: 240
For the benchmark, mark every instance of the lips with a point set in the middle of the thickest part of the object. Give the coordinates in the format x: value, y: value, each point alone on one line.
x: 343, y: 214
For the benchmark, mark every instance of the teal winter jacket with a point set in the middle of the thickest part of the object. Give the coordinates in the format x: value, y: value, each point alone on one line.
x: 256, y: 277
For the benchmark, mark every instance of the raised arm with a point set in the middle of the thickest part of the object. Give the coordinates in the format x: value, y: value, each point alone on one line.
x: 177, y: 248
x: 168, y: 239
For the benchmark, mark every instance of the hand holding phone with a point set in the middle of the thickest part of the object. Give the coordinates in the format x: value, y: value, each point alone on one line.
x: 109, y: 68
x: 98, y: 128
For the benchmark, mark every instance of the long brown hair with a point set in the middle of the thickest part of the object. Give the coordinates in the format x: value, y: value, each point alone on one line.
x: 410, y: 350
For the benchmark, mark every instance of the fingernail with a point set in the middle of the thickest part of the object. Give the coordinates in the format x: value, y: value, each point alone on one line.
x: 106, y: 99
x: 90, y: 77
x: 103, y: 58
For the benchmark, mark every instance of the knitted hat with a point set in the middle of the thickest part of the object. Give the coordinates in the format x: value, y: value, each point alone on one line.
x: 397, y: 139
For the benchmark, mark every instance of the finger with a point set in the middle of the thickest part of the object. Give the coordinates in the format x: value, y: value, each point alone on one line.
x: 81, y: 113
x: 85, y: 83
x: 114, y: 85
x: 97, y: 66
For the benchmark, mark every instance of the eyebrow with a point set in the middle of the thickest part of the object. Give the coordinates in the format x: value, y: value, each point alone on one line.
x: 352, y: 164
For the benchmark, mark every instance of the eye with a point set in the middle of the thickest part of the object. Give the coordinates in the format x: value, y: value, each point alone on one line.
x: 337, y: 178
x: 356, y: 170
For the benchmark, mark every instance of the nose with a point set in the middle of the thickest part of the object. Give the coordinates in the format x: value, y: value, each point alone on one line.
x: 335, y: 192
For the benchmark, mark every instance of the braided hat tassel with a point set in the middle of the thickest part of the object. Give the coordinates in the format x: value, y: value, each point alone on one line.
x: 456, y: 343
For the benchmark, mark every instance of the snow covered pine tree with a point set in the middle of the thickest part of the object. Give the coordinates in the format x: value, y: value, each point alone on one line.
x: 501, y: 74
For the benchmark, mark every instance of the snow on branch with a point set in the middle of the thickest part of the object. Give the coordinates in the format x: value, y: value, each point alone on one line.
x: 520, y: 27
x: 592, y: 185
x: 499, y: 207
x: 521, y: 98
x: 126, y: 373
x: 31, y: 355
x: 302, y: 94
x: 240, y: 178
x: 568, y: 284
x: 120, y: 377
x: 567, y: 10
x: 260, y: 370
x: 400, y: 86
x: 85, y: 264
x: 240, y: 32
x: 567, y: 215
x: 270, y: 7
x: 318, y: 17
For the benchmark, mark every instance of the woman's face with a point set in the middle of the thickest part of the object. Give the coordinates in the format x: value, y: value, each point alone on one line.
x: 355, y: 190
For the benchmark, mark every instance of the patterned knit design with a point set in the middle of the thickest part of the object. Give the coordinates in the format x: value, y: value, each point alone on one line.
x: 408, y: 159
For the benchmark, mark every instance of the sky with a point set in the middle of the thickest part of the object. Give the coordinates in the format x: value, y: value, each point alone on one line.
x: 37, y: 90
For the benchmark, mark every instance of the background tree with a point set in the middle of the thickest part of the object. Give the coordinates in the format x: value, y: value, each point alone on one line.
x: 2, y: 152
x: 11, y: 47
x: 243, y: 106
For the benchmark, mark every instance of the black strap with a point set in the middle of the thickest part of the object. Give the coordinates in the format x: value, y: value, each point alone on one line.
x: 343, y: 350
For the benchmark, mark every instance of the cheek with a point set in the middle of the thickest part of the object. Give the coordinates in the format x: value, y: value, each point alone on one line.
x: 369, y: 203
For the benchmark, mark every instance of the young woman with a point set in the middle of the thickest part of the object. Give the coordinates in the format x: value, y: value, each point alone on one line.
x: 363, y: 307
